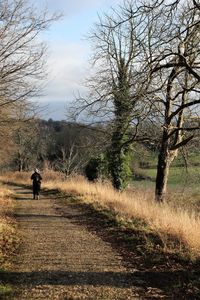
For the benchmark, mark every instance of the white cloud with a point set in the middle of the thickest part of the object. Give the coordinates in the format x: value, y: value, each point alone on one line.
x: 67, y: 63
x: 67, y: 69
x: 71, y: 8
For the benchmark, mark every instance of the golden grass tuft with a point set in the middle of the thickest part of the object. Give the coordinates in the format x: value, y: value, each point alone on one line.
x: 7, y: 228
x: 163, y: 219
x: 6, y: 204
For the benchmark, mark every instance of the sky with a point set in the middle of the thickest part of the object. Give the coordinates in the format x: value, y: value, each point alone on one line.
x: 68, y: 51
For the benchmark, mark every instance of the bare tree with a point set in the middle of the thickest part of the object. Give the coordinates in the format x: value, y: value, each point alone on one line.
x: 22, y: 60
x: 8, y: 146
x: 117, y: 87
x: 22, y: 54
x: 175, y: 80
x: 147, y: 65
x: 70, y: 161
x: 25, y: 133
x: 169, y: 42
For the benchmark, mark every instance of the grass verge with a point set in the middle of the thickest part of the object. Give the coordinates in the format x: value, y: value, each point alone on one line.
x: 161, y: 240
x: 5, y: 290
x: 176, y: 228
x: 8, y: 236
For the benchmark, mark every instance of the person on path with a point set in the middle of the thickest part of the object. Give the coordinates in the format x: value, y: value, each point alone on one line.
x: 36, y: 177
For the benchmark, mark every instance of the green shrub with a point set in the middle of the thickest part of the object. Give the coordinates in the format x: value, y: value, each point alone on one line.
x: 96, y: 168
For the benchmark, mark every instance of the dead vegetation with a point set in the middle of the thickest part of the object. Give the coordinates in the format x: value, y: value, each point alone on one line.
x: 9, y: 239
x: 177, y: 228
x: 7, y: 229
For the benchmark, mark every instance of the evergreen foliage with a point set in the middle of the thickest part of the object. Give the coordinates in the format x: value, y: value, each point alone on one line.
x: 96, y: 168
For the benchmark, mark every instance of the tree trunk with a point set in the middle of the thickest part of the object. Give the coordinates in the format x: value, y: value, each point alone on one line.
x: 116, y: 165
x: 165, y: 158
x: 118, y: 157
x: 20, y: 162
x: 162, y: 175
x: 20, y: 166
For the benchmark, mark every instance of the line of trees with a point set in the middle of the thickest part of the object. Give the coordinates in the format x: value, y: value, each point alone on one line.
x: 146, y: 58
x: 58, y: 145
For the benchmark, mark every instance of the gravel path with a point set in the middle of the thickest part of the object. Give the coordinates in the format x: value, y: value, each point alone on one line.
x: 61, y: 259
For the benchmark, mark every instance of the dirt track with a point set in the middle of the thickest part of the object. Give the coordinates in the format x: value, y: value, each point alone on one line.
x: 70, y: 251
x: 61, y: 259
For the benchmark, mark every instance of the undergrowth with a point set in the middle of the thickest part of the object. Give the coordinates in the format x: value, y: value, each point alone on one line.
x: 167, y: 227
x: 8, y: 236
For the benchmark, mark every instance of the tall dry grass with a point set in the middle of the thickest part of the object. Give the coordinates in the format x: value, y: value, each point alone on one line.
x: 163, y: 219
x: 7, y: 228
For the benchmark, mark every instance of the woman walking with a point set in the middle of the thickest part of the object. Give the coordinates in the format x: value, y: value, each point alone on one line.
x: 36, y: 177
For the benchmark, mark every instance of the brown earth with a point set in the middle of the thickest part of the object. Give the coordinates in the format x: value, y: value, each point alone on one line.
x: 67, y: 253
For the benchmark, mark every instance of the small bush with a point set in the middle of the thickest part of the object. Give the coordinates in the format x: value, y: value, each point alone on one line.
x: 96, y: 168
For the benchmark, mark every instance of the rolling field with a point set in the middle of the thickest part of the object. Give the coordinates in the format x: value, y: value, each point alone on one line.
x: 178, y: 175
x: 183, y: 187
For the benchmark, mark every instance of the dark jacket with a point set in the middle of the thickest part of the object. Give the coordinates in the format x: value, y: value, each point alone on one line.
x: 36, y: 177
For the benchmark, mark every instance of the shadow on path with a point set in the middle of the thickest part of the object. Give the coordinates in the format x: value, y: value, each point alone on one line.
x: 36, y: 216
x: 70, y: 278
x: 175, y: 280
x: 24, y: 190
x: 113, y: 279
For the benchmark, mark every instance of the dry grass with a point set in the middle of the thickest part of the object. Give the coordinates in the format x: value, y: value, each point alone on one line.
x: 7, y: 228
x: 163, y: 219
x: 6, y: 204
x: 8, y: 235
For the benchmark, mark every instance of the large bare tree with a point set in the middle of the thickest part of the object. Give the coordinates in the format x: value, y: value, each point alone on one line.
x: 22, y: 60
x: 147, y: 64
x: 117, y: 86
x: 22, y: 54
x: 169, y: 46
x: 175, y: 79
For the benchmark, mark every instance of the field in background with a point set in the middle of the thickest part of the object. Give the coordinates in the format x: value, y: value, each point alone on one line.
x: 178, y: 175
x: 177, y: 225
x: 183, y: 185
x: 182, y: 175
